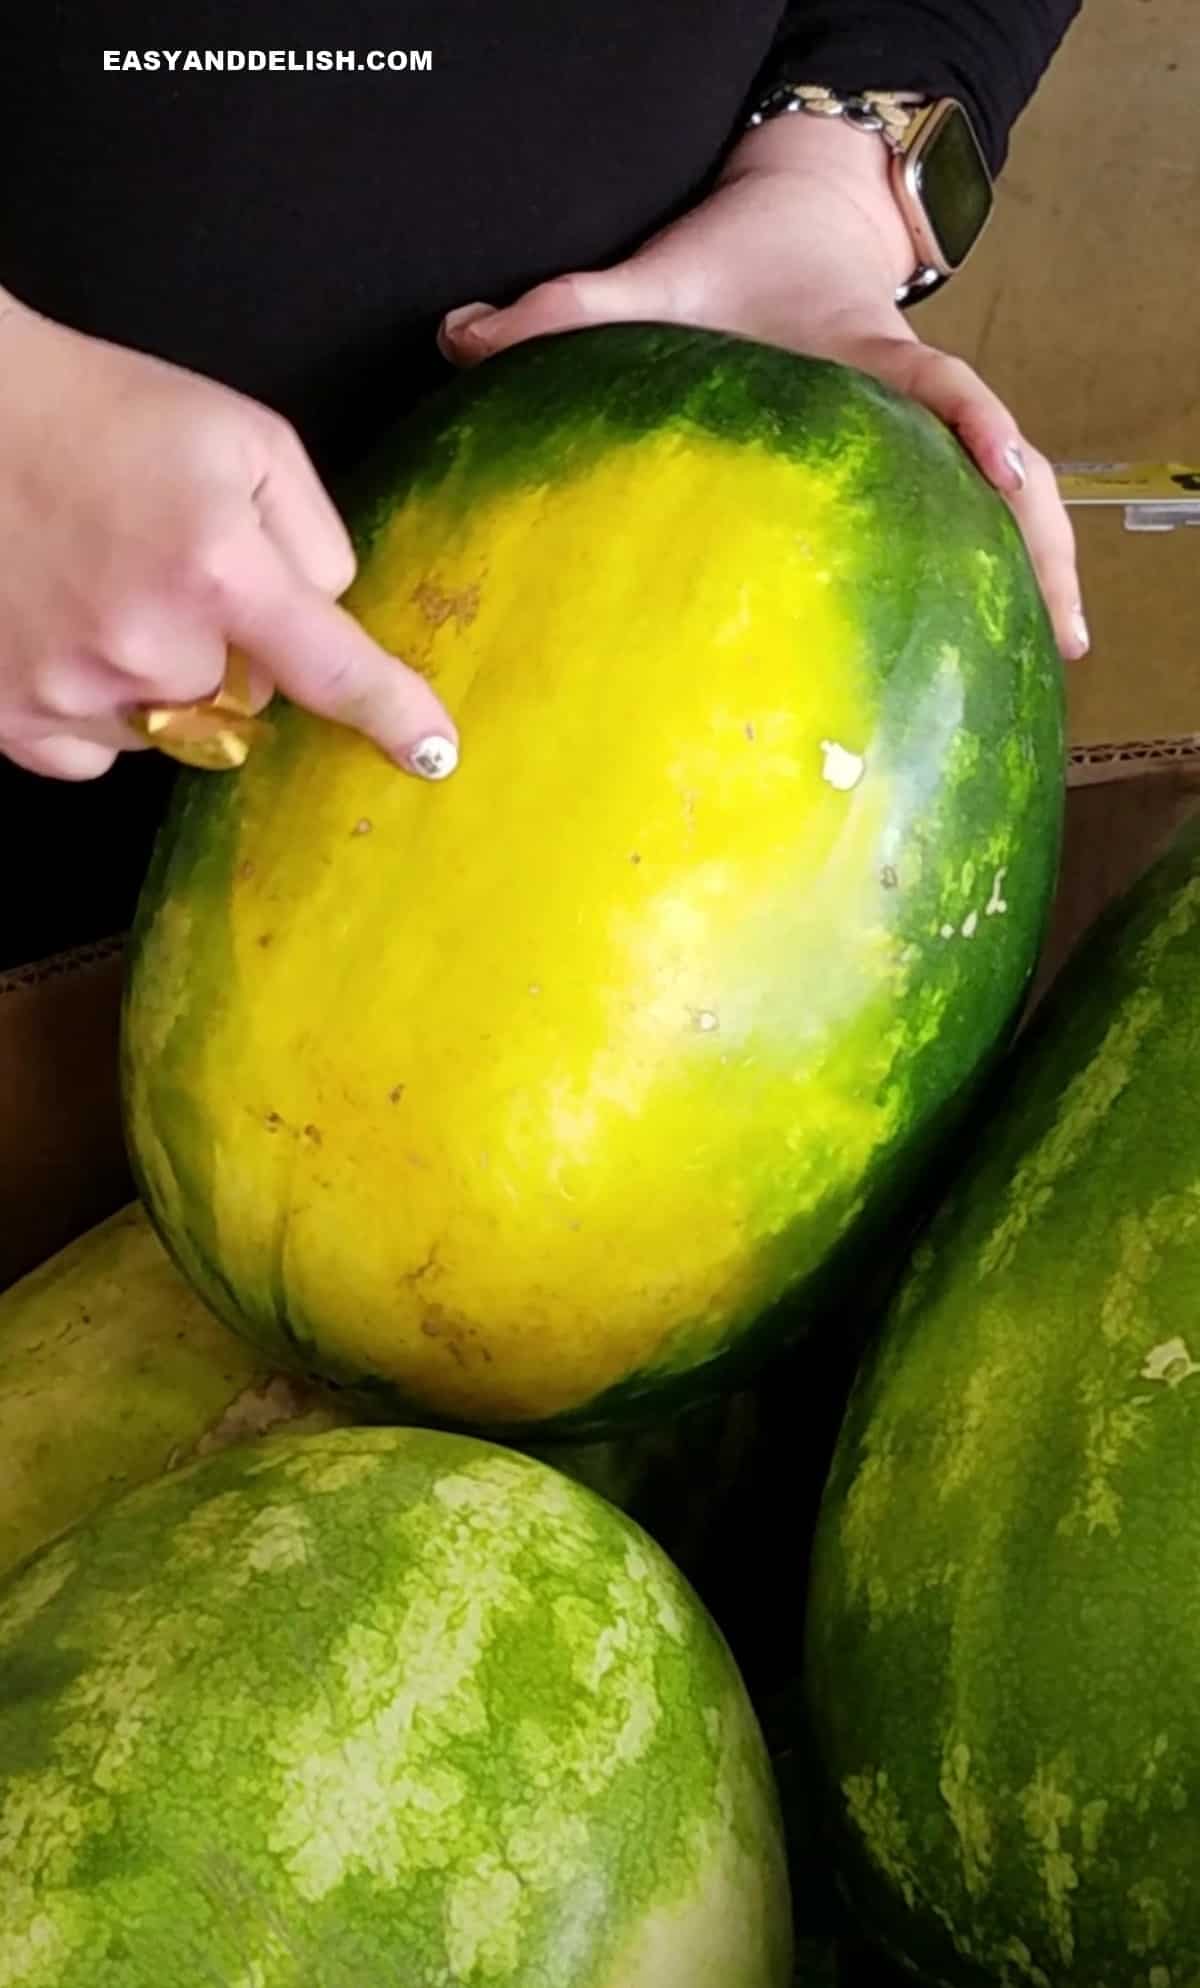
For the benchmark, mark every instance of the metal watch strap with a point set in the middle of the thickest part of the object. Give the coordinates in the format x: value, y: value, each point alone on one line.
x: 888, y: 114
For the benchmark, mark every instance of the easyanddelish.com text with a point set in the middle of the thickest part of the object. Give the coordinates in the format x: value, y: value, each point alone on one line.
x: 251, y: 60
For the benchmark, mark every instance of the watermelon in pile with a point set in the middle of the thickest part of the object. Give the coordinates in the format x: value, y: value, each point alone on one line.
x: 1002, y: 1619
x: 545, y: 1099
x: 372, y: 1706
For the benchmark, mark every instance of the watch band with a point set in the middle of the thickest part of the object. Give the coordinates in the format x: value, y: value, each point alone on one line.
x: 887, y: 114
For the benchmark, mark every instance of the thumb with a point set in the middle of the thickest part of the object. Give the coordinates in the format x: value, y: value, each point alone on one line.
x: 597, y: 296
x: 321, y: 658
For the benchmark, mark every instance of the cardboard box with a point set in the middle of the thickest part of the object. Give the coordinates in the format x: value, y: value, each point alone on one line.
x: 1141, y: 584
x: 1080, y: 309
x: 62, y: 1160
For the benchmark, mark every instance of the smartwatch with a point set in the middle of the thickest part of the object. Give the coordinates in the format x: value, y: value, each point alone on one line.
x: 938, y: 172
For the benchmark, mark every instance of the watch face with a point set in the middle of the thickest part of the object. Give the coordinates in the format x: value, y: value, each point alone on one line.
x: 949, y: 175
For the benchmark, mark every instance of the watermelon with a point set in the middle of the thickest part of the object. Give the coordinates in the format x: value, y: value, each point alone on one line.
x: 113, y: 1371
x: 1003, y: 1619
x: 375, y: 1706
x: 537, y: 1101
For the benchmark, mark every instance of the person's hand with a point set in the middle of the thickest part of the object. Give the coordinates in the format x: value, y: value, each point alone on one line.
x: 801, y: 244
x: 151, y: 518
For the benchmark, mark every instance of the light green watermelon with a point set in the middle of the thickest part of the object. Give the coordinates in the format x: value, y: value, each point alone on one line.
x: 376, y: 1709
x: 1004, y: 1616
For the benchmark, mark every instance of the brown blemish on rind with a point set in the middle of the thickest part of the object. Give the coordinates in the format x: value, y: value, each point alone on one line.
x: 460, y: 1339
x: 423, y: 1269
x: 438, y: 606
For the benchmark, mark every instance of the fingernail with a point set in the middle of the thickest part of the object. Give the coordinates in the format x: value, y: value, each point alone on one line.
x: 1080, y: 629
x: 434, y: 758
x: 1014, y: 458
x: 467, y: 314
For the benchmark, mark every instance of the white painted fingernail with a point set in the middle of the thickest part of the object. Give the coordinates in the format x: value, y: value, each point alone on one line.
x: 434, y: 758
x: 1015, y: 459
x: 1079, y: 625
x: 455, y: 323
x: 466, y: 314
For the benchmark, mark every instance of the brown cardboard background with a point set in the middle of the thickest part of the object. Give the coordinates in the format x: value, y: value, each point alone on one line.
x: 62, y: 1162
x: 1081, y: 307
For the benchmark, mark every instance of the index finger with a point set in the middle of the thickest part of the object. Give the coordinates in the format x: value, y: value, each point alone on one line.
x: 321, y: 658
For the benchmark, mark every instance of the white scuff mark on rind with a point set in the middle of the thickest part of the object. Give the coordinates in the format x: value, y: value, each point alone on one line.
x: 947, y: 931
x: 996, y: 904
x: 705, y: 1020
x: 842, y: 769
x: 1171, y: 1362
x: 970, y: 924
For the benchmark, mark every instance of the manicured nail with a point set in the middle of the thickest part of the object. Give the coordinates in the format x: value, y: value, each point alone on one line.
x: 1015, y: 461
x: 434, y: 758
x: 465, y: 315
x: 1080, y: 629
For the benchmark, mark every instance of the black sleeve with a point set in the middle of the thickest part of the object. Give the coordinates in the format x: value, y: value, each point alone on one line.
x: 990, y: 54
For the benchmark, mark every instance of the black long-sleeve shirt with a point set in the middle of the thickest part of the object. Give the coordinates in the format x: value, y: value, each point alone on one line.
x: 298, y: 233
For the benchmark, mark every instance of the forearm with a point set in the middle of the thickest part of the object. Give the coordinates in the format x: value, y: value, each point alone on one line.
x: 991, y: 54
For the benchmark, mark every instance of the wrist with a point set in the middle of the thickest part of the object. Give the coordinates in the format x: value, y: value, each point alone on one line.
x: 14, y: 315
x: 847, y: 169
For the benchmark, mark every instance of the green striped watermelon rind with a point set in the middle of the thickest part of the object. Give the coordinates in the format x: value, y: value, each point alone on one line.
x: 1107, y: 1063
x: 206, y: 1761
